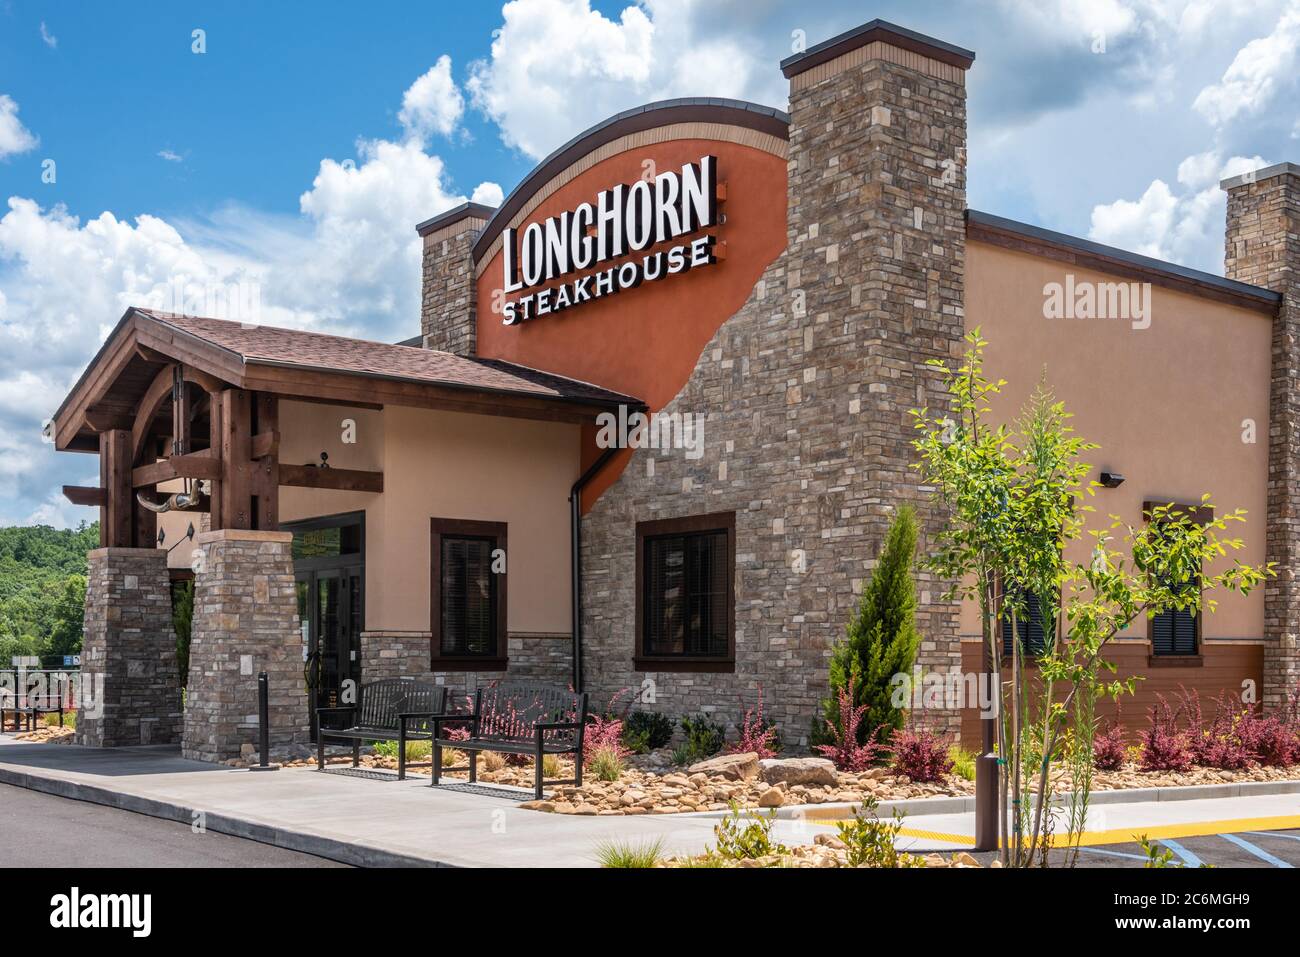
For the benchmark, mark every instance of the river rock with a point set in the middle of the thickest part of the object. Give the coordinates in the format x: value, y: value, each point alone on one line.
x: 798, y: 771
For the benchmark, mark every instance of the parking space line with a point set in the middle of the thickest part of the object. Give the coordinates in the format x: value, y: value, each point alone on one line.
x: 1259, y: 852
x: 1189, y: 859
x: 1098, y: 850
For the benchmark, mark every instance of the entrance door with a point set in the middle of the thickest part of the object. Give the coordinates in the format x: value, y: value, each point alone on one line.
x: 329, y: 569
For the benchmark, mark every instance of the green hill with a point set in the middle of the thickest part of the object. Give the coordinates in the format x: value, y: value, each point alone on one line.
x: 43, y: 589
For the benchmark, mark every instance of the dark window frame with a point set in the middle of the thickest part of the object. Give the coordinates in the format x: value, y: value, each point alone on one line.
x: 1028, y: 656
x: 440, y: 528
x: 1155, y: 659
x: 693, y: 524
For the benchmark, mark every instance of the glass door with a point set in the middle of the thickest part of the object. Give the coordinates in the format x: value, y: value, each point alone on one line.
x: 329, y: 572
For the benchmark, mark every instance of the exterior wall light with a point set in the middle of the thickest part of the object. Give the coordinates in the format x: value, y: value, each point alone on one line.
x: 1112, y: 479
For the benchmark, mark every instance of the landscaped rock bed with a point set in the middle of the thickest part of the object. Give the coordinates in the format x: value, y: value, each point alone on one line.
x: 825, y: 851
x: 51, y: 734
x: 713, y: 785
x: 650, y: 785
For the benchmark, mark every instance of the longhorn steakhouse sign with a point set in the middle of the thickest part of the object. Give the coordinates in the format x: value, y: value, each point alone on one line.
x: 627, y: 218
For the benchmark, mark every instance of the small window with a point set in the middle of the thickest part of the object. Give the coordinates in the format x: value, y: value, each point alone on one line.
x: 686, y: 594
x: 1177, y: 631
x: 1032, y: 626
x: 468, y: 601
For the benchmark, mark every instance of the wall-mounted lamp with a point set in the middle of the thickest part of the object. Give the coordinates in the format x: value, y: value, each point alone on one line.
x: 1112, y: 479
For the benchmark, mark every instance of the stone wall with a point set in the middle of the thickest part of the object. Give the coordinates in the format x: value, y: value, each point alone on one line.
x: 447, y: 311
x: 405, y: 654
x: 806, y: 393
x: 128, y: 655
x: 1262, y: 247
x: 245, y: 622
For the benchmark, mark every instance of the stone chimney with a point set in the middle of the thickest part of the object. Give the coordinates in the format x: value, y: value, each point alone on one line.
x: 447, y: 313
x: 1262, y: 247
x: 877, y: 240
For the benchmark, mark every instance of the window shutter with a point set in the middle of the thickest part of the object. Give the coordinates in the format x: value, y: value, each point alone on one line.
x: 1031, y: 627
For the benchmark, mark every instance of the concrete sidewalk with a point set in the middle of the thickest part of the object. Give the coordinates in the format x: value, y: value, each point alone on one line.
x: 363, y: 821
x: 375, y: 820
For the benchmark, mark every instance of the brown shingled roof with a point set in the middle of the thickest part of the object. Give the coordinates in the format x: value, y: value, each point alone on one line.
x: 269, y: 345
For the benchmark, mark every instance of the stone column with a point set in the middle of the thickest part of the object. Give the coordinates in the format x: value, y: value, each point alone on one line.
x: 130, y: 693
x: 1263, y: 248
x: 245, y: 622
x: 447, y: 309
x: 877, y: 240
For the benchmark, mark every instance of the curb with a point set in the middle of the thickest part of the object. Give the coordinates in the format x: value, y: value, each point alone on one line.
x: 345, y: 852
x: 919, y: 807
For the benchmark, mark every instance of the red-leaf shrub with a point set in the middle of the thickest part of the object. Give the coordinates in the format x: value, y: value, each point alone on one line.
x: 1165, y: 746
x: 920, y: 754
x: 1231, y: 742
x: 755, y: 734
x: 846, y: 752
x: 1108, y: 750
x: 605, y: 731
x: 1278, y: 743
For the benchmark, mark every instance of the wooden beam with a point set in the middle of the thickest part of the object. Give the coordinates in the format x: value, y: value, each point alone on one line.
x: 266, y: 443
x: 344, y: 480
x: 196, y: 465
x: 216, y: 518
x: 115, y: 517
x: 85, y: 495
x: 264, y: 449
x: 236, y: 459
x: 107, y: 420
x: 181, y: 439
x: 147, y: 411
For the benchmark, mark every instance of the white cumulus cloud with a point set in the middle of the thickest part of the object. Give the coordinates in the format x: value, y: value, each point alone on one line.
x: 433, y: 103
x: 14, y: 137
x: 1263, y: 71
x: 558, y: 66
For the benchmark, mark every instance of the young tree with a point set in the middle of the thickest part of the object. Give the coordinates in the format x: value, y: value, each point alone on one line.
x: 882, y: 637
x: 1015, y: 500
x: 182, y: 619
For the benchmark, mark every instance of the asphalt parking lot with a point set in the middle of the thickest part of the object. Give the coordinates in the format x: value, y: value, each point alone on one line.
x: 1244, y: 849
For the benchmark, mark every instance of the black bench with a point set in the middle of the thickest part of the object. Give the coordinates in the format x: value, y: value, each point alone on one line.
x: 393, y: 709
x: 515, y: 718
x: 31, y: 706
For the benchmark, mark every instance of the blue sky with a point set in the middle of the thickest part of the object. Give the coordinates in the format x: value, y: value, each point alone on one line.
x: 299, y: 149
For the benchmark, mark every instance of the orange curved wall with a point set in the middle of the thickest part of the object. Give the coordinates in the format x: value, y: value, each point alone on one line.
x: 645, y: 342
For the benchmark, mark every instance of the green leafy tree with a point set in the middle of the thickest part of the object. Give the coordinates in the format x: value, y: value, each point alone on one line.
x: 182, y: 619
x: 1015, y: 500
x: 882, y: 638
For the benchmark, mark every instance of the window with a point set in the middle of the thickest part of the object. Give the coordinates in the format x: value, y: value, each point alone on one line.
x: 468, y: 596
x: 1032, y: 627
x: 685, y: 614
x: 1176, y: 632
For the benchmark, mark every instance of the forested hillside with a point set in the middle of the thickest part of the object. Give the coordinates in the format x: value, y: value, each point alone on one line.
x: 42, y: 589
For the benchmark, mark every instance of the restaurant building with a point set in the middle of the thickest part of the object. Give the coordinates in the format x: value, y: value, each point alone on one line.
x: 656, y: 423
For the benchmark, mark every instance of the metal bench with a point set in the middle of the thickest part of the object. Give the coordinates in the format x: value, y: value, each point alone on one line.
x: 514, y: 718
x: 31, y: 705
x: 392, y: 709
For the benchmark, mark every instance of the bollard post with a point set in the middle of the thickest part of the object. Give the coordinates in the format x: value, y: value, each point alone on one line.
x: 264, y: 725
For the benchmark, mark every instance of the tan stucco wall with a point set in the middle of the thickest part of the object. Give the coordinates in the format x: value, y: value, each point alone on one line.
x: 444, y: 465
x: 1166, y: 403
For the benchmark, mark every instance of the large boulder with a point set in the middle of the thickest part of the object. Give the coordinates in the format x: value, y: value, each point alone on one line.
x: 733, y: 767
x: 808, y: 771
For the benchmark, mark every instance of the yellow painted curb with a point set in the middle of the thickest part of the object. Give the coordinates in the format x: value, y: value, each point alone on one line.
x: 1127, y: 835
